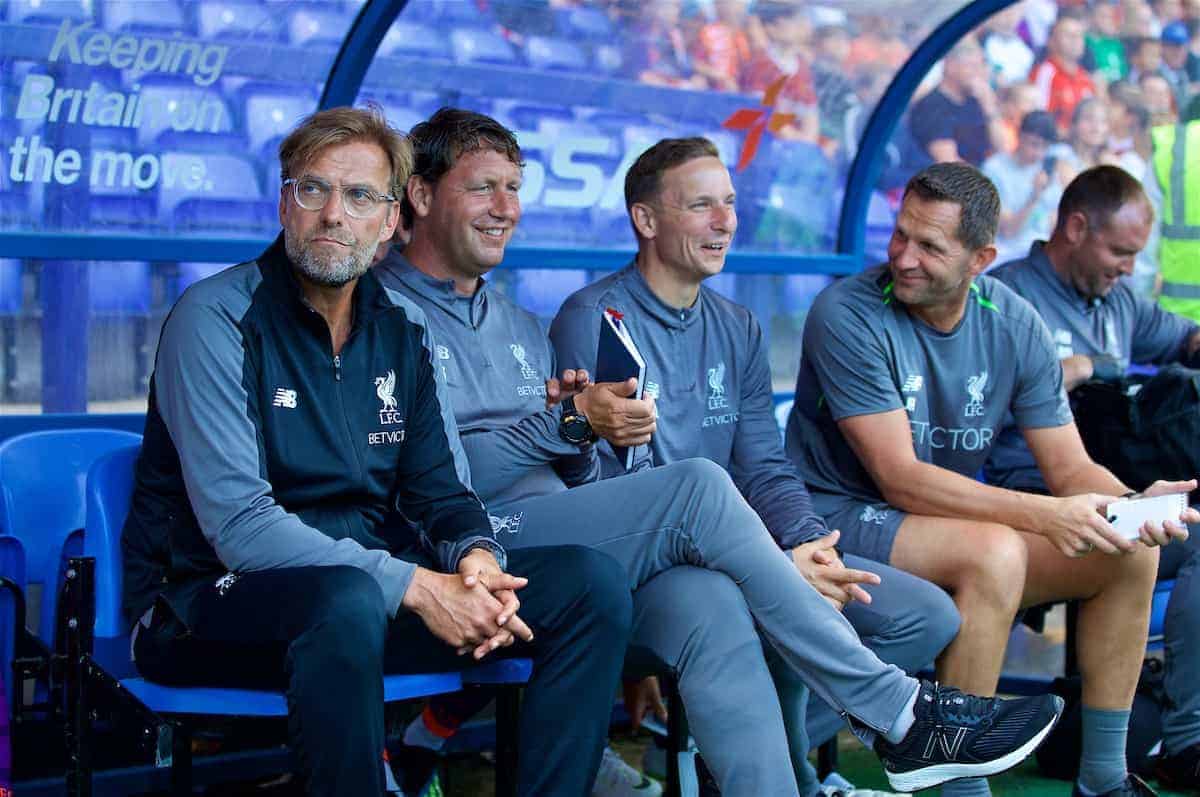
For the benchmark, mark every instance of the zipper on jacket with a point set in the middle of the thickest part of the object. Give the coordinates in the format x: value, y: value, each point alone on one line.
x: 337, y: 367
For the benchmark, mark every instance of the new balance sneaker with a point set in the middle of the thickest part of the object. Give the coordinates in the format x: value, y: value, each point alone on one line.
x: 957, y: 735
x: 1132, y: 787
x: 1180, y: 772
x: 617, y: 779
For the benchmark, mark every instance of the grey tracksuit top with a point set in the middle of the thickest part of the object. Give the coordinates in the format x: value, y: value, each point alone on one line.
x: 707, y: 366
x: 864, y: 353
x: 1121, y: 324
x: 495, y: 359
x: 263, y: 450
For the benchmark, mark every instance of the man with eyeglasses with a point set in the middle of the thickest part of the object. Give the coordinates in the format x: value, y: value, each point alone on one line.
x: 302, y: 517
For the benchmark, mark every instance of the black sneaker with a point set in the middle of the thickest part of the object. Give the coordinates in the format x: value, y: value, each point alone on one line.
x: 1132, y: 787
x: 957, y: 735
x: 1180, y: 772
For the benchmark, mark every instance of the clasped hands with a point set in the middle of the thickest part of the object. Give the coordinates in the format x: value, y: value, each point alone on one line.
x: 819, y: 563
x: 474, y: 610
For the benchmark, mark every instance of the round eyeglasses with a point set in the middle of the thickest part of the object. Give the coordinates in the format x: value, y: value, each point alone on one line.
x: 359, y: 201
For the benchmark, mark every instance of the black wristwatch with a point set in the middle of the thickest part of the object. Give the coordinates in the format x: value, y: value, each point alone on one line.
x: 573, y: 426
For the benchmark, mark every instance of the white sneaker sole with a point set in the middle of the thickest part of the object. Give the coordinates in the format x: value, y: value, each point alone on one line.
x: 928, y: 777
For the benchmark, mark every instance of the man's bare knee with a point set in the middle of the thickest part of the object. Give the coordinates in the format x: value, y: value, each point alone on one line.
x: 995, y: 566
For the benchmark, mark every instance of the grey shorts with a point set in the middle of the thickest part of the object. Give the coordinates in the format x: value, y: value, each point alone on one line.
x: 868, y: 529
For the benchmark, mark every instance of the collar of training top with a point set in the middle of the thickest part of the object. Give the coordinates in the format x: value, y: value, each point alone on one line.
x: 468, y: 309
x: 1041, y: 263
x: 669, y: 316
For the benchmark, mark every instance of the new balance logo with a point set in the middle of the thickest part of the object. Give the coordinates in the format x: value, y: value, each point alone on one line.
x: 913, y: 383
x: 285, y: 398
x: 948, y: 739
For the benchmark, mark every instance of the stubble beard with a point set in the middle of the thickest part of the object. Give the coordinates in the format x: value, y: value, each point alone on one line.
x: 330, y: 272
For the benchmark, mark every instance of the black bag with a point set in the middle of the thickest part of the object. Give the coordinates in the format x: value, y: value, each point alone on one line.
x: 1142, y: 428
x: 1058, y: 757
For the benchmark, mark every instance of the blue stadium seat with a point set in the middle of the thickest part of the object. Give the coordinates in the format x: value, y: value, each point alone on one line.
x: 559, y: 55
x: 12, y: 608
x: 472, y: 46
x: 229, y: 199
x: 1158, y: 613
x: 271, y: 111
x: 48, y: 12
x: 534, y: 117
x: 582, y: 22
x: 171, y: 104
x: 201, y: 143
x: 608, y: 59
x: 316, y: 27
x: 414, y: 39
x: 162, y: 16
x: 224, y: 20
x: 121, y: 210
x: 448, y: 12
x: 42, y: 478
x: 109, y: 490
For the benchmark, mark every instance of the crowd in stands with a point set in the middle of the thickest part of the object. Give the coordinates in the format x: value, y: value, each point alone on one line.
x: 1106, y: 70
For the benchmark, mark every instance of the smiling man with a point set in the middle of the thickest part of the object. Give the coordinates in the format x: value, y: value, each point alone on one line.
x: 1100, y: 326
x: 908, y: 373
x: 708, y: 357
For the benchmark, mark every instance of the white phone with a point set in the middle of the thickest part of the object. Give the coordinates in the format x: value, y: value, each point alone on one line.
x: 1128, y: 514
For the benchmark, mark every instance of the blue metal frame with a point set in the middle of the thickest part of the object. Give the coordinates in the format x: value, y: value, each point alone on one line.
x: 868, y: 162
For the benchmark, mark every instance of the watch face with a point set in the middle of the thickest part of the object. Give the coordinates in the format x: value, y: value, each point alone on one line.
x: 575, y: 429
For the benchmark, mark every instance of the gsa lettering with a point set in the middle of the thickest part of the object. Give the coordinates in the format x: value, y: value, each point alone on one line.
x: 956, y: 439
x: 567, y: 158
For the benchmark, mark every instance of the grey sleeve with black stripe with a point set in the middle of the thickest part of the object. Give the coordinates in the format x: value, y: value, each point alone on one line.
x: 204, y: 404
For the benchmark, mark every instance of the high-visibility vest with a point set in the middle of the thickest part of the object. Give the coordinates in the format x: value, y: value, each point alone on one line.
x: 1177, y: 167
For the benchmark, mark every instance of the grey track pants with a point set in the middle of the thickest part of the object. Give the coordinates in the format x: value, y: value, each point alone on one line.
x: 690, y: 513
